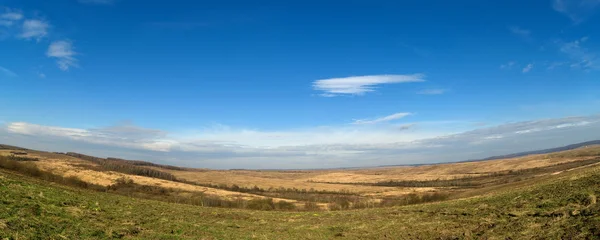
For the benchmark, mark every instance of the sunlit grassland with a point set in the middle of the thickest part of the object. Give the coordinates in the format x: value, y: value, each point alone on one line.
x: 561, y: 206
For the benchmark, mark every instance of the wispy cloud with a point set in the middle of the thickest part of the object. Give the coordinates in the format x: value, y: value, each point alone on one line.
x: 215, y: 139
x: 351, y: 145
x: 554, y: 65
x: 120, y: 135
x: 97, y: 2
x: 528, y: 68
x: 577, y: 10
x: 555, y: 126
x: 64, y: 53
x: 388, y: 118
x: 522, y: 33
x: 582, y: 57
x: 25, y: 28
x: 14, y: 16
x: 436, y: 91
x: 7, y: 72
x: 34, y: 29
x: 9, y: 17
x: 359, y: 85
x: 507, y: 65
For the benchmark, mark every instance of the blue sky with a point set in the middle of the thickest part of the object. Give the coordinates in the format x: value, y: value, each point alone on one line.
x: 298, y: 84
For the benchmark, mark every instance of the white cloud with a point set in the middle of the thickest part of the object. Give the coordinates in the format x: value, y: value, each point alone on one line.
x: 494, y: 137
x: 528, y: 68
x: 33, y: 129
x: 554, y: 65
x: 27, y: 29
x: 577, y: 10
x: 14, y: 16
x: 341, y: 146
x: 582, y: 57
x: 572, y: 124
x: 7, y: 72
x: 33, y: 28
x: 553, y: 126
x: 219, y: 139
x: 121, y: 135
x: 359, y: 85
x: 388, y: 118
x: 9, y: 17
x: 64, y: 53
x: 508, y: 65
x: 432, y: 91
x: 98, y: 2
x: 328, y: 95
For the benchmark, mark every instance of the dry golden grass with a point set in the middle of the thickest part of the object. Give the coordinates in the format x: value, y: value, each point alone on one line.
x: 266, y: 180
x: 319, y: 179
x: 309, y: 179
x: 455, y: 170
x: 71, y: 166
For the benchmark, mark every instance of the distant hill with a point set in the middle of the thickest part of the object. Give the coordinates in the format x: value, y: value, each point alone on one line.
x: 544, y: 151
x: 512, y: 155
x: 9, y: 147
x: 121, y: 162
x: 145, y: 163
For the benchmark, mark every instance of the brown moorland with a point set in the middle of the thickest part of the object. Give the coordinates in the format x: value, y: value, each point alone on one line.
x: 330, y: 185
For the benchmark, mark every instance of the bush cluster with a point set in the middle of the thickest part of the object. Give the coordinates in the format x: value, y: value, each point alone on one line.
x: 30, y: 169
x: 128, y: 167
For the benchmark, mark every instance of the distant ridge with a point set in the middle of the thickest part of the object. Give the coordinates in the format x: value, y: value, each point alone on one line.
x: 9, y: 147
x: 512, y: 155
x: 549, y: 150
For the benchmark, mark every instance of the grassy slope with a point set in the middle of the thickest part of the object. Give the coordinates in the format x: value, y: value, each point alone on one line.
x: 561, y: 207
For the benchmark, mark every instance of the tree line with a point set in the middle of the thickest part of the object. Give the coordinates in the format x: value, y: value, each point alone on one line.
x: 126, y: 166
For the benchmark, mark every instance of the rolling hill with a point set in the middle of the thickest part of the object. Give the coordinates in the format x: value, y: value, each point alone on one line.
x: 562, y: 207
x: 70, y: 196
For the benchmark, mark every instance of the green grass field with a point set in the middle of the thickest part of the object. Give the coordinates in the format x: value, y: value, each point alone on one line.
x: 561, y: 207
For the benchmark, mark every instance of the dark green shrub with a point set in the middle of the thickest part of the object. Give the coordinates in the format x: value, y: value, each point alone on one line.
x: 334, y: 206
x: 311, y: 206
x: 266, y: 204
x: 22, y: 158
x: 283, y: 205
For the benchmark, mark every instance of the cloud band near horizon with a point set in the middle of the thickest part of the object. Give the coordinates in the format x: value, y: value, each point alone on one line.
x: 340, y: 146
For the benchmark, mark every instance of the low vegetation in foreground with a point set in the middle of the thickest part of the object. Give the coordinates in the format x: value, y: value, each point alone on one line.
x: 562, y: 207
